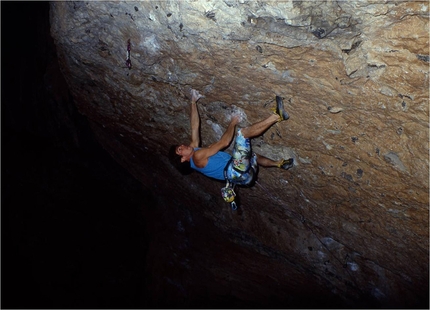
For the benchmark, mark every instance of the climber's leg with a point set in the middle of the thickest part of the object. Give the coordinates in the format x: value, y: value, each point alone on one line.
x: 259, y: 128
x: 283, y: 163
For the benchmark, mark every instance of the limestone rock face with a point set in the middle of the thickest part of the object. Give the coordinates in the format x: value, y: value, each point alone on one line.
x: 349, y: 223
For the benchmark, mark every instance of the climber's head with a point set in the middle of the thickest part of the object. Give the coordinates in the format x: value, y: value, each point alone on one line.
x: 177, y: 156
x: 185, y: 151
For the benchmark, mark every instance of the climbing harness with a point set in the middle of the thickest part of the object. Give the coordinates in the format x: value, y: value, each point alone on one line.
x: 227, y: 192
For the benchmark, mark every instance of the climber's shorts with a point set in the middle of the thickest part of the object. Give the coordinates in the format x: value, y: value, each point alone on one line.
x: 243, y: 165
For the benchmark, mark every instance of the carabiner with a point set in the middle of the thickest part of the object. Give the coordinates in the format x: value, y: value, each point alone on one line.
x: 233, y: 206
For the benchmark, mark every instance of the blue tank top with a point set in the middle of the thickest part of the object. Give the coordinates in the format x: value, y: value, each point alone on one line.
x: 215, y: 166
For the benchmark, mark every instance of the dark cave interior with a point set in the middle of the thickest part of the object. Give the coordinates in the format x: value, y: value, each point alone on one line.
x: 64, y: 242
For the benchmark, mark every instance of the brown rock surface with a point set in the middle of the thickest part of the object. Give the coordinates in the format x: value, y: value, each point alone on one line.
x: 350, y: 220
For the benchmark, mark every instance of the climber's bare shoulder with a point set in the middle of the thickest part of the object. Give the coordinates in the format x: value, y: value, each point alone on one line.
x: 201, y: 156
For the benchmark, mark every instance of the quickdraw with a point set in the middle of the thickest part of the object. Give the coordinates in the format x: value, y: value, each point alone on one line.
x: 128, y: 60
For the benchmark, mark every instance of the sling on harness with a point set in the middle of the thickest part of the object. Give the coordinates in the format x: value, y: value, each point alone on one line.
x: 227, y: 192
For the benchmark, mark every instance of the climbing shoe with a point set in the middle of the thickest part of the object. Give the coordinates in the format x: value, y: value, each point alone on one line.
x: 279, y: 110
x: 286, y: 163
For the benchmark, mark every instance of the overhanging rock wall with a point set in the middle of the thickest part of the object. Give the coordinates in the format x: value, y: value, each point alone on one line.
x: 350, y: 219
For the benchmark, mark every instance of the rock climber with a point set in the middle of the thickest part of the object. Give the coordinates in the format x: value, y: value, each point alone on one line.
x: 241, y: 167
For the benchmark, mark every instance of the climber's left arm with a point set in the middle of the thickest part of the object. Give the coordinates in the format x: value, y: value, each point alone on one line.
x: 195, y: 119
x: 195, y: 125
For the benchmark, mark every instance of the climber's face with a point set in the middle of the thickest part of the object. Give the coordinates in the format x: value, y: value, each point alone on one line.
x: 185, y: 151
